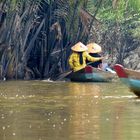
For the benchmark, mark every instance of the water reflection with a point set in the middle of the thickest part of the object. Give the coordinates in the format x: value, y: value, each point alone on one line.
x: 38, y: 110
x: 86, y: 111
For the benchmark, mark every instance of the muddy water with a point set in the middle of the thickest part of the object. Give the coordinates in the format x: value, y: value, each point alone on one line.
x: 41, y: 110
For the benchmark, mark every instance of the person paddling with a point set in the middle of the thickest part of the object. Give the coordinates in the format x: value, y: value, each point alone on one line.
x: 79, y: 56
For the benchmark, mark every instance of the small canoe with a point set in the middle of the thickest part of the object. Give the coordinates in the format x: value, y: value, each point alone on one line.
x: 129, y: 77
x: 90, y: 74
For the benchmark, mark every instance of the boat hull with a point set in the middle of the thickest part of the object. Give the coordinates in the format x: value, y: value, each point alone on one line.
x: 129, y: 78
x: 133, y: 84
x: 90, y: 74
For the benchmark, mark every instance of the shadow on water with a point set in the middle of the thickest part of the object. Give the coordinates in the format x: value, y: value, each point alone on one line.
x: 40, y: 110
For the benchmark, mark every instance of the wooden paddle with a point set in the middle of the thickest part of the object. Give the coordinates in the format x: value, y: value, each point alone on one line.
x: 65, y: 74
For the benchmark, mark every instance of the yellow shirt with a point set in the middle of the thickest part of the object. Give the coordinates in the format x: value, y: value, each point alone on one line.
x: 75, y: 63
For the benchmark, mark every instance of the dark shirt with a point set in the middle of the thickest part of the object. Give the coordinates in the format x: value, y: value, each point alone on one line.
x: 97, y: 63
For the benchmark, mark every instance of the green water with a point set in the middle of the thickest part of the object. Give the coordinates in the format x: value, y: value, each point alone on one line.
x: 41, y: 110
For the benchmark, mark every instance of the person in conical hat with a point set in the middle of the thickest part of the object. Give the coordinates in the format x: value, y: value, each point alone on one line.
x: 79, y: 47
x: 94, y: 50
x: 79, y: 56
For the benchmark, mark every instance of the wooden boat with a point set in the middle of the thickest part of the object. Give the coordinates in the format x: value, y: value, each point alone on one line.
x: 129, y: 77
x: 90, y: 74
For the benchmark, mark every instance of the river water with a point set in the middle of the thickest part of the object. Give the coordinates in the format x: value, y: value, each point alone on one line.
x: 41, y: 110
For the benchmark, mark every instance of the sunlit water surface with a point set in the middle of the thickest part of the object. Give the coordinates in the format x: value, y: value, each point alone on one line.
x: 41, y: 110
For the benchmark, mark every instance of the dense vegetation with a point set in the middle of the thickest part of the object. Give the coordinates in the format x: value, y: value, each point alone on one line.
x: 36, y: 35
x: 120, y: 30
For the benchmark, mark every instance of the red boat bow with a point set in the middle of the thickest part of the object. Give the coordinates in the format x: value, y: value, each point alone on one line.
x: 120, y: 71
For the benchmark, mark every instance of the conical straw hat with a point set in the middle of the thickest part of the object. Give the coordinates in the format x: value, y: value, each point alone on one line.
x: 94, y: 48
x: 79, y: 47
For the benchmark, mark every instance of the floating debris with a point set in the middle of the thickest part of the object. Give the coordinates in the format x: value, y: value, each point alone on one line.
x: 17, y: 95
x: 30, y: 126
x: 3, y: 127
x: 96, y: 96
x: 107, y: 119
x: 14, y: 134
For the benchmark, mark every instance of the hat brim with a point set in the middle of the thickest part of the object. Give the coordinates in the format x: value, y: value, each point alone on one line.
x: 79, y: 47
x: 94, y: 48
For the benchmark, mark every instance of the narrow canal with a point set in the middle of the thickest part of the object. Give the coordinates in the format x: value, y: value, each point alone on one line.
x: 40, y: 110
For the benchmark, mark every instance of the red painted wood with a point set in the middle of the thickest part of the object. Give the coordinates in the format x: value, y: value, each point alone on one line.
x: 88, y: 69
x: 120, y: 71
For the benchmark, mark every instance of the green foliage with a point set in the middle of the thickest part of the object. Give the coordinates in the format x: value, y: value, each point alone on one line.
x: 124, y: 13
x: 41, y: 31
x: 134, y: 4
x: 39, y: 35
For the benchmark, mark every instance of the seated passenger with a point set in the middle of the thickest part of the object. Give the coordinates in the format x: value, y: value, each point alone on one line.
x: 79, y: 56
x: 94, y: 50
